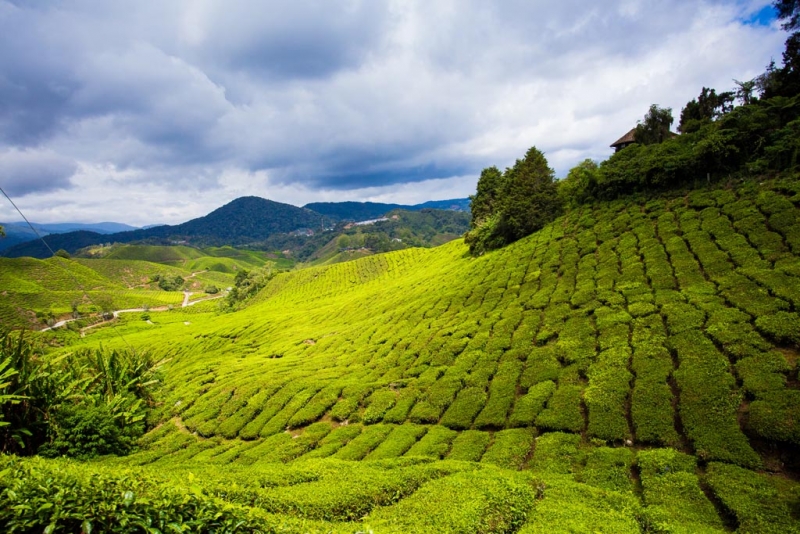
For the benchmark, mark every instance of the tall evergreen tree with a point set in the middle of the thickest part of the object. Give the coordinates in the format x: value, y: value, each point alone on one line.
x: 530, y: 198
x: 512, y: 205
x: 485, y: 200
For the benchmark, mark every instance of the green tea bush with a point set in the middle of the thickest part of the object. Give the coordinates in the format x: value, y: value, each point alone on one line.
x: 567, y: 506
x: 672, y: 493
x: 510, y: 448
x: 280, y: 421
x: 338, y: 438
x: 462, y: 412
x: 783, y: 327
x: 542, y: 365
x: 273, y: 405
x: 775, y: 415
x: 752, y: 498
x: 398, y: 442
x: 608, y: 468
x: 606, y: 394
x: 557, y: 452
x: 462, y: 502
x: 63, y: 496
x: 316, y: 407
x: 434, y: 444
x: 709, y: 401
x: 469, y: 446
x: 364, y: 443
x: 563, y: 410
x: 405, y: 401
x: 502, y: 393
x: 763, y: 373
x: 530, y: 405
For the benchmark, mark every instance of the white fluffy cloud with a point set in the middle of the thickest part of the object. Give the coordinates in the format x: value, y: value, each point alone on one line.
x: 150, y: 112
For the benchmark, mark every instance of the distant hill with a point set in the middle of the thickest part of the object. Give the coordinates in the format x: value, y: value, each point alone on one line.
x: 359, y: 211
x: 242, y: 221
x: 17, y: 233
x: 100, y: 228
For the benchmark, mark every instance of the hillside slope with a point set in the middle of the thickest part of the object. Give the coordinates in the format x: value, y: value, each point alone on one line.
x: 638, y: 358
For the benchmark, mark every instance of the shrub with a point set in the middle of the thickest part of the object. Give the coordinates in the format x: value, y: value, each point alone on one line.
x: 752, y: 498
x: 608, y: 468
x: 557, y: 452
x: 529, y: 406
x: 435, y: 444
x: 462, y: 412
x: 563, y: 410
x: 87, y: 431
x: 469, y: 446
x: 510, y: 448
x: 672, y: 492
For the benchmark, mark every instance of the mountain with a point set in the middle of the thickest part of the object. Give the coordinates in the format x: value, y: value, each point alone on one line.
x: 361, y: 211
x: 17, y: 233
x: 100, y: 228
x: 242, y: 221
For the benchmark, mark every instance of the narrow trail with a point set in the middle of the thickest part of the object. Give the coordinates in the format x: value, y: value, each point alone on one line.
x: 186, y: 296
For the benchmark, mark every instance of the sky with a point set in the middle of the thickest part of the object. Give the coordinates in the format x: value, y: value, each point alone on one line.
x: 159, y: 112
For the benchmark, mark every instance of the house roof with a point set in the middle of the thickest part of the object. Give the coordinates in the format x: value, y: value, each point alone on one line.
x: 625, y: 139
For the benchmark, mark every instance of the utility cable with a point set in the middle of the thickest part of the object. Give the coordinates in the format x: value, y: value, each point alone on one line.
x: 70, y: 273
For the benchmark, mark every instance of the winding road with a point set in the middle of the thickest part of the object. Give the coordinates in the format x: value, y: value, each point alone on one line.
x: 186, y: 296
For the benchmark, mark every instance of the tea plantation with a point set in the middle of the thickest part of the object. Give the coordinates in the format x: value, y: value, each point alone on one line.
x: 631, y: 367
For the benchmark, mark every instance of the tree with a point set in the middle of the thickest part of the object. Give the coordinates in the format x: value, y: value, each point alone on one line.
x: 61, y: 253
x: 655, y: 127
x: 513, y: 205
x: 786, y: 81
x: 343, y: 242
x: 2, y: 232
x: 789, y: 13
x: 530, y: 197
x: 745, y: 91
x: 580, y: 184
x: 707, y: 107
x: 484, y: 202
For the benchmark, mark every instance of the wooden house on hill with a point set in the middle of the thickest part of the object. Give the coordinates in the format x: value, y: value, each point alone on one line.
x: 629, y: 138
x: 624, y: 141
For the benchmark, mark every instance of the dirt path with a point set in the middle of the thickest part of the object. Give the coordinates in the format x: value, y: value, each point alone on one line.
x: 184, y: 304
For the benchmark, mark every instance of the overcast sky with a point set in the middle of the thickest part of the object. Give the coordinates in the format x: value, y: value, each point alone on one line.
x: 161, y: 111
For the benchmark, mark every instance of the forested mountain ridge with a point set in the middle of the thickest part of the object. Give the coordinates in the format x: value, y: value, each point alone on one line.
x: 241, y: 221
x: 361, y: 211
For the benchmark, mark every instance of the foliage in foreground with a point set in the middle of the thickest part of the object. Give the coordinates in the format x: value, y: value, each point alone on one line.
x: 82, y: 404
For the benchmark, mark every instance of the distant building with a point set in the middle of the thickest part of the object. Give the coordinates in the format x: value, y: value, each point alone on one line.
x: 624, y: 141
x: 628, y: 139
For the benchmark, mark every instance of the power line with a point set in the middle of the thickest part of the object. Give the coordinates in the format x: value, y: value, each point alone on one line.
x: 70, y: 273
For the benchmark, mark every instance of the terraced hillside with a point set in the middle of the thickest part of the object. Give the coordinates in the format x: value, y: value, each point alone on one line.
x: 635, y: 363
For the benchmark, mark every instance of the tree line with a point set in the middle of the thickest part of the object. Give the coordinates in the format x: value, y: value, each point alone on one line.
x: 753, y: 130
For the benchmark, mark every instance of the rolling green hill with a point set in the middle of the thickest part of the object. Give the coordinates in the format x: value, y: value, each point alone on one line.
x: 631, y: 367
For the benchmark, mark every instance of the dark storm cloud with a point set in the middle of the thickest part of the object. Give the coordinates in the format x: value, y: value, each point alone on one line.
x: 288, y: 39
x: 194, y: 96
x: 29, y: 171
